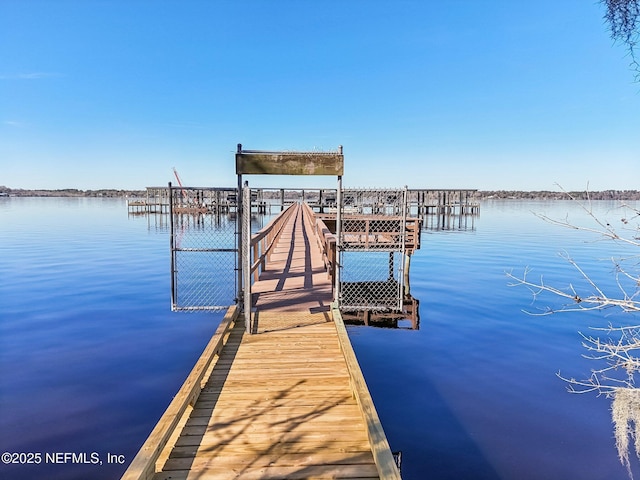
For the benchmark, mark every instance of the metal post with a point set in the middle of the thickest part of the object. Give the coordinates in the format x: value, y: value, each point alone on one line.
x: 238, y: 239
x: 402, y: 279
x: 336, y: 290
x: 173, y: 252
x: 407, y: 284
x: 246, y: 255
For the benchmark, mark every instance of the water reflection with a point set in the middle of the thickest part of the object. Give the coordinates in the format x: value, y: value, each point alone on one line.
x: 449, y: 222
x: 408, y: 318
x: 91, y: 355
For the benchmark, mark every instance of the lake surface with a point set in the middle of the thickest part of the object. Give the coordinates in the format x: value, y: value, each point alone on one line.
x: 91, y: 355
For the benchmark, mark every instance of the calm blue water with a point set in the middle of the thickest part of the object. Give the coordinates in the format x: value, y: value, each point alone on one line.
x: 91, y: 355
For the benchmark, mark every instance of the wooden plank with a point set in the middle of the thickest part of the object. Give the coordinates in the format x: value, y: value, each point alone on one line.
x: 313, y: 372
x: 275, y: 473
x: 287, y: 383
x: 257, y: 420
x: 317, y: 439
x: 269, y: 447
x: 330, y: 393
x: 270, y: 412
x: 253, y: 400
x: 293, y: 358
x: 289, y: 163
x: 255, y: 396
x: 249, y: 427
x: 304, y: 459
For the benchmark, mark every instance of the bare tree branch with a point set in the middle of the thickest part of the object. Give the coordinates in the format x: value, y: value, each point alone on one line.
x: 614, y: 349
x: 623, y: 17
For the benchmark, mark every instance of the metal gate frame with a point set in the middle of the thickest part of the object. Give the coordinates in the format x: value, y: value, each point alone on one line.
x: 190, y: 205
x: 261, y: 162
x: 352, y: 296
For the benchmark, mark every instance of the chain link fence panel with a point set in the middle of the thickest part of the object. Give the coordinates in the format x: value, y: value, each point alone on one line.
x: 371, y: 281
x: 372, y: 249
x: 203, y: 253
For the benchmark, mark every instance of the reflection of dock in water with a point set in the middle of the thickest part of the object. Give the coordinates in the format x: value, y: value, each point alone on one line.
x: 408, y: 317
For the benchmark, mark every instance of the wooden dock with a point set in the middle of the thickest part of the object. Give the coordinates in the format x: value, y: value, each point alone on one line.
x: 285, y: 401
x: 223, y: 200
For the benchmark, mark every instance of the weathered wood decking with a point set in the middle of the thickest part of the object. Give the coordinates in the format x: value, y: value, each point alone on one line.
x: 287, y: 401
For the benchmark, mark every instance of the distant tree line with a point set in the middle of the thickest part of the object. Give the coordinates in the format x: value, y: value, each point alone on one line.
x: 69, y: 192
x: 481, y: 195
x: 559, y: 195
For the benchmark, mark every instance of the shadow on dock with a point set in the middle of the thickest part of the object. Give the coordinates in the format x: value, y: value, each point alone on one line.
x: 272, y: 426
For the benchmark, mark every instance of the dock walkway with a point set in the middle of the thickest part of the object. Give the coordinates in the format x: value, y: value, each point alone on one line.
x: 287, y: 401
x: 295, y: 278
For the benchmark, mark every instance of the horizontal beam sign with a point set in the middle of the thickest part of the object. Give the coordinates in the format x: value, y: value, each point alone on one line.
x: 289, y: 163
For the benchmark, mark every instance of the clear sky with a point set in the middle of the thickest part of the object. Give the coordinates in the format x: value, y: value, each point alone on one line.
x: 487, y: 94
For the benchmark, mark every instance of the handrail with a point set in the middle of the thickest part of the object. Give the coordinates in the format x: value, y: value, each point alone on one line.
x: 308, y: 216
x: 382, y: 455
x: 264, y: 240
x: 365, y: 231
x: 326, y: 239
x: 143, y: 466
x: 330, y: 247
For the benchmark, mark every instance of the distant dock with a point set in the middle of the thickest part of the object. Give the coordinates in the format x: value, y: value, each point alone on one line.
x: 223, y: 200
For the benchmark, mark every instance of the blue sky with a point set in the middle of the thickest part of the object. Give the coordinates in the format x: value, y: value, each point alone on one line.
x: 497, y: 94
